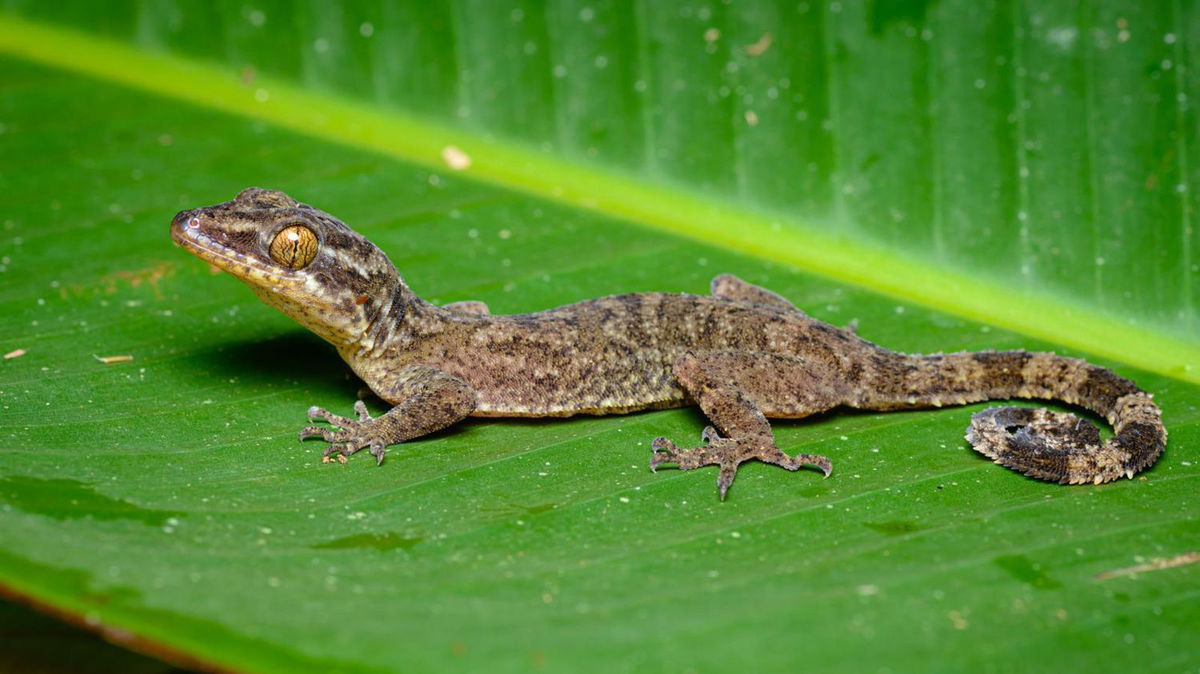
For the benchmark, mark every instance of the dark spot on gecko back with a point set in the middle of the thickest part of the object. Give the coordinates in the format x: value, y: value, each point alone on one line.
x: 1003, y: 369
x: 1105, y: 386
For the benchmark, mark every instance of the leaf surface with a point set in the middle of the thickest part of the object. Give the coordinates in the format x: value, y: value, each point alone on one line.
x: 167, y: 496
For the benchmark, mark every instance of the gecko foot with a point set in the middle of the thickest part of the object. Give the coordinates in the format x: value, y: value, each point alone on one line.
x: 728, y: 453
x: 349, y: 437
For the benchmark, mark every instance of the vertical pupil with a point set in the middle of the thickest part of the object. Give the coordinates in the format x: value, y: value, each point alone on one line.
x: 294, y: 247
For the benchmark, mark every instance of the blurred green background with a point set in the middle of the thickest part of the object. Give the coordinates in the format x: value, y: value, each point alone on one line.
x: 1048, y: 145
x: 953, y: 175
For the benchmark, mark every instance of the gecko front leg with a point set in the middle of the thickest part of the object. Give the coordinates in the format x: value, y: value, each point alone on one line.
x: 736, y: 391
x: 430, y: 400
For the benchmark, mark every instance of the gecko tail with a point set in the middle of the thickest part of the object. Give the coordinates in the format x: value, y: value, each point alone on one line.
x: 1061, y: 447
x: 1046, y: 445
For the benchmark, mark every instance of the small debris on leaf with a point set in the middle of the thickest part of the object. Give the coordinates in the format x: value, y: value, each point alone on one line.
x: 761, y: 46
x: 455, y: 158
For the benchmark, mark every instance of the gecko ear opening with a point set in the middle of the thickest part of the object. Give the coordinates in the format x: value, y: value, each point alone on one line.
x: 294, y: 247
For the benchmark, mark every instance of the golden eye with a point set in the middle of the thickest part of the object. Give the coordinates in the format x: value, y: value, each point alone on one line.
x: 294, y: 247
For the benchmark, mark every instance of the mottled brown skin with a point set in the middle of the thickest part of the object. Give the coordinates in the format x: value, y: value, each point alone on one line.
x: 742, y: 354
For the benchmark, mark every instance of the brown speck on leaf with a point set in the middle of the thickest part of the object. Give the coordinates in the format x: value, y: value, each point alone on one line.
x: 1157, y: 564
x: 109, y: 360
x: 761, y: 46
x: 15, y: 353
x: 458, y: 648
x: 149, y: 276
x: 248, y: 75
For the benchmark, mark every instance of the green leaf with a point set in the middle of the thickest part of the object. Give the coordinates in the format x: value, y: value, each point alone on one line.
x: 945, y: 175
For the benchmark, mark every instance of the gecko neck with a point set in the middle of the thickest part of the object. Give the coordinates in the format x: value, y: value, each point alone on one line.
x: 380, y: 331
x: 403, y: 321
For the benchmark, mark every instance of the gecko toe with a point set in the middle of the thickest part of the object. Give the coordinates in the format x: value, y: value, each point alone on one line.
x: 378, y: 451
x: 726, y: 476
x: 361, y: 408
x: 662, y: 451
x: 799, y: 461
x: 661, y: 444
x: 326, y: 456
x: 315, y: 413
x: 821, y: 463
x: 316, y: 432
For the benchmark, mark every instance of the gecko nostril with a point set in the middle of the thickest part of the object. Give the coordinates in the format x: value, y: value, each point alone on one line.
x: 187, y: 218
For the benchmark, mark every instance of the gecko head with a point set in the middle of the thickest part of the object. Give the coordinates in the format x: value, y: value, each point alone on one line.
x: 298, y: 259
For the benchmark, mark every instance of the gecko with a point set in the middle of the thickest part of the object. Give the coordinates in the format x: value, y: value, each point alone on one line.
x: 741, y: 353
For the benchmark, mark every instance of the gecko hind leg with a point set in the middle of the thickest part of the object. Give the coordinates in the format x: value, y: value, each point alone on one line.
x: 725, y: 386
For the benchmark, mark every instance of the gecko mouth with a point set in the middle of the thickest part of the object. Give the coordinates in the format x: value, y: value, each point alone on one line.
x: 187, y: 230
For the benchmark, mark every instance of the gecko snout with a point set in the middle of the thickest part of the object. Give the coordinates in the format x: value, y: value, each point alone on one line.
x: 182, y: 217
x: 182, y: 222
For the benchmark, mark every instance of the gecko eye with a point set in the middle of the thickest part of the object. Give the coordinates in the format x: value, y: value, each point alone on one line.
x: 294, y: 247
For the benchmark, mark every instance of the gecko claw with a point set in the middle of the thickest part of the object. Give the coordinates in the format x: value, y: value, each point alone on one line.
x: 725, y: 477
x: 799, y: 461
x: 378, y: 451
x: 663, y: 451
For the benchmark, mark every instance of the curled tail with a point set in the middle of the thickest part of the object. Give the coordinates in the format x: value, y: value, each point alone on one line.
x: 1047, y: 445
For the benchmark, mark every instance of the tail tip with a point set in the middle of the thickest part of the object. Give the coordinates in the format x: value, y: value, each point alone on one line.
x: 1042, y: 444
